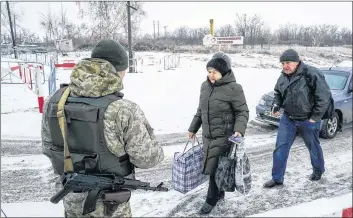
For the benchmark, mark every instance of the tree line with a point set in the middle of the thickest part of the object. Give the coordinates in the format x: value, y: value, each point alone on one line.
x: 107, y: 19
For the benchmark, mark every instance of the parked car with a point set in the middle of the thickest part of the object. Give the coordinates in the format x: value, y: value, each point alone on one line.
x: 339, y: 79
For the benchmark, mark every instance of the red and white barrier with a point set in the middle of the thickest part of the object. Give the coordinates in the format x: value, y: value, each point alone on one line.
x: 31, y: 74
x: 28, y: 73
x: 39, y: 87
x: 25, y: 71
x: 66, y: 65
x: 15, y: 68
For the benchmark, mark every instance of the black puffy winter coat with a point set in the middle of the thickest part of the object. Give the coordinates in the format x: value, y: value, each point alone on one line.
x: 222, y: 111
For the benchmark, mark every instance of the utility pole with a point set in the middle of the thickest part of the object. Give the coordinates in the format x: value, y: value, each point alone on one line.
x: 165, y: 31
x: 154, y: 30
x: 11, y: 27
x: 131, y: 70
x: 244, y: 46
x: 158, y: 28
x: 62, y: 21
x: 14, y: 27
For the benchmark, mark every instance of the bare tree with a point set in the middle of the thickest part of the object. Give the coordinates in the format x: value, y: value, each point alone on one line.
x: 202, y: 31
x: 136, y: 18
x: 182, y: 33
x: 16, y: 13
x: 294, y: 31
x: 226, y: 30
x: 318, y: 34
x: 332, y: 35
x: 346, y: 36
x: 255, y: 25
x: 307, y: 36
x: 22, y: 35
x: 264, y: 35
x: 109, y: 18
x: 50, y: 23
x: 64, y: 23
x: 241, y: 25
x: 283, y: 32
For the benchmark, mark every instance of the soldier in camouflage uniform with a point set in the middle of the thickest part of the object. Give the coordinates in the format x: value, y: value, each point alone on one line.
x: 126, y: 130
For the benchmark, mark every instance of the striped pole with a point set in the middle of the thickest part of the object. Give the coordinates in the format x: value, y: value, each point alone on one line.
x: 39, y: 87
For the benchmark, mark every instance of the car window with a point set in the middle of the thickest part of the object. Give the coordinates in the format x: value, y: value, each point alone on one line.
x: 336, y: 80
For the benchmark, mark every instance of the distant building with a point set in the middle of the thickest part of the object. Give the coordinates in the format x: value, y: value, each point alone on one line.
x: 68, y: 45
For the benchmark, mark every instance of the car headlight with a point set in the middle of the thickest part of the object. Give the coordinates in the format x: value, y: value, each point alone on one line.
x: 262, y: 102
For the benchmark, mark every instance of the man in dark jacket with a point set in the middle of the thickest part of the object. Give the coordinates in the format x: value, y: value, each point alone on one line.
x: 304, y: 94
x: 222, y: 112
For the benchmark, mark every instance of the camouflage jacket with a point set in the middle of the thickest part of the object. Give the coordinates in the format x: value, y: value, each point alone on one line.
x: 125, y: 126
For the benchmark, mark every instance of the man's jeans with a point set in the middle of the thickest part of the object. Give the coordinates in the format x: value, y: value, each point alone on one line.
x: 285, y: 138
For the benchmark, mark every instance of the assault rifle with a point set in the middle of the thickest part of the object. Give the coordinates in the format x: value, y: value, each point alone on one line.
x: 113, y: 189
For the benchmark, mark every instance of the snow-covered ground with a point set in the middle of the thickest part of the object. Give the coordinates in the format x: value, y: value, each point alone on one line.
x: 22, y: 161
x: 169, y: 99
x: 325, y: 207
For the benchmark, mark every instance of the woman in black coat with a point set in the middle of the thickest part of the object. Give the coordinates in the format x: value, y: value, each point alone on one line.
x: 222, y: 112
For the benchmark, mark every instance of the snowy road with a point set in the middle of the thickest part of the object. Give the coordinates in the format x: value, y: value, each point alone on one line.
x: 26, y: 173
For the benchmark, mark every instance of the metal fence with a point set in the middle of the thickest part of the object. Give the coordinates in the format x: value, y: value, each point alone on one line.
x: 43, y: 58
x: 21, y: 73
x: 170, y: 62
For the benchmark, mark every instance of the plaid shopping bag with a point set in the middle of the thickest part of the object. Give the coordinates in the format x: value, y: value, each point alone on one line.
x: 187, y: 168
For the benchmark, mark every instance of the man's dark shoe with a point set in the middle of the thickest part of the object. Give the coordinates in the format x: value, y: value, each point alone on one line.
x: 314, y: 177
x: 271, y: 183
x: 206, y: 208
x: 221, y: 195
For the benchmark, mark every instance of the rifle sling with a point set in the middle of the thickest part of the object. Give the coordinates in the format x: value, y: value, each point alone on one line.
x: 68, y: 166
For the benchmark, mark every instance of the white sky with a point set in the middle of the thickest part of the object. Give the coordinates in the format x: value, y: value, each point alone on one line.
x: 197, y: 14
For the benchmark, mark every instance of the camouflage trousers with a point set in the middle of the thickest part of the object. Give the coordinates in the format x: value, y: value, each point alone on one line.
x: 73, y: 204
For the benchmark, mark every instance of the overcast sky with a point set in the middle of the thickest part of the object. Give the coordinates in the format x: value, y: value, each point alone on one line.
x: 197, y: 14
